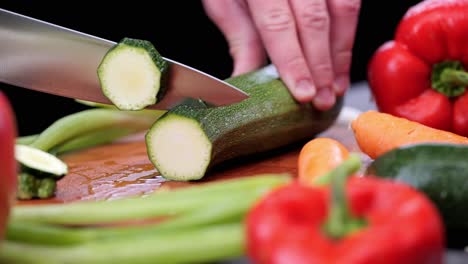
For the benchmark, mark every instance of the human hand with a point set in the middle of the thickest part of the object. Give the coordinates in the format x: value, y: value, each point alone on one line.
x: 309, y: 41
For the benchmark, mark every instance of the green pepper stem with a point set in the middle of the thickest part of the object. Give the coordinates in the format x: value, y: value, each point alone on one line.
x: 449, y: 78
x: 456, y: 77
x: 340, y: 222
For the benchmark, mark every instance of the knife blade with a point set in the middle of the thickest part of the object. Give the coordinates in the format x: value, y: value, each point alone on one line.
x: 41, y: 56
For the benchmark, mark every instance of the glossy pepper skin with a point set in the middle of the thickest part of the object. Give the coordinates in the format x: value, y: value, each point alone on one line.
x: 401, y: 226
x: 8, y: 167
x: 406, y: 75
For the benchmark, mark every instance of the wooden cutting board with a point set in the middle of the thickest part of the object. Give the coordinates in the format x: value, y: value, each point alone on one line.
x: 123, y: 169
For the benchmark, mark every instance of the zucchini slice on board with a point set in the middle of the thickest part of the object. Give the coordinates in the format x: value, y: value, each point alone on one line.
x: 132, y: 74
x: 438, y: 170
x: 39, y: 160
x: 192, y: 137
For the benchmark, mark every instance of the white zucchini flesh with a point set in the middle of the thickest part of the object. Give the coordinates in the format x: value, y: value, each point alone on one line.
x: 130, y: 78
x: 180, y: 145
x: 40, y: 160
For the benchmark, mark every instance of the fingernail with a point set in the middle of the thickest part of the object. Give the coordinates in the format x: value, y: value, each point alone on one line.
x: 341, y: 85
x: 324, y: 99
x: 304, y: 90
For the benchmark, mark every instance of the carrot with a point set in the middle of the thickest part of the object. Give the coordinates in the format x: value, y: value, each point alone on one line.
x: 318, y: 157
x: 376, y: 133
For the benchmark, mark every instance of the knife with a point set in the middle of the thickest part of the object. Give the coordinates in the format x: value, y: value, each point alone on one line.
x: 41, y: 56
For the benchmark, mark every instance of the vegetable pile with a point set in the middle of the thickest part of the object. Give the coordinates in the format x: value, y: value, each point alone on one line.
x: 420, y: 75
x: 431, y: 160
x: 189, y: 225
x: 357, y: 220
x: 397, y: 210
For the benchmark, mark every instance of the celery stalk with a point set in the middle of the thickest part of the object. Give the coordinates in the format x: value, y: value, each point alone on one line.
x: 91, y: 120
x: 26, y: 140
x: 160, y: 203
x: 94, y: 138
x: 199, y: 245
x: 34, y: 233
x: 221, y: 211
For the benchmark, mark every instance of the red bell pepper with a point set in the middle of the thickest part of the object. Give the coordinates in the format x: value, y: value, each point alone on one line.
x: 420, y: 74
x: 8, y: 166
x: 362, y: 220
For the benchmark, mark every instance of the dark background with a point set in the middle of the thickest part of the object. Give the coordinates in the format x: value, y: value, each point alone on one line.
x: 180, y: 30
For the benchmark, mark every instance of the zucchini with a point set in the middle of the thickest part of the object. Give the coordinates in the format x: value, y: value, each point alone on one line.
x: 40, y: 160
x: 438, y: 170
x: 193, y: 137
x: 32, y: 186
x: 38, y: 174
x: 132, y: 74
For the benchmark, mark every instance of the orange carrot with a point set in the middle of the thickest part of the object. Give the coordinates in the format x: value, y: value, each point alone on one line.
x: 318, y: 157
x: 377, y: 133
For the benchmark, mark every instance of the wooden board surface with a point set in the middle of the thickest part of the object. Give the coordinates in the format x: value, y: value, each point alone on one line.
x: 122, y: 169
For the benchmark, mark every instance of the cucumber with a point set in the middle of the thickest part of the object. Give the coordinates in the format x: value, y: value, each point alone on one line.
x: 438, y: 170
x: 193, y: 137
x: 39, y: 160
x: 132, y: 74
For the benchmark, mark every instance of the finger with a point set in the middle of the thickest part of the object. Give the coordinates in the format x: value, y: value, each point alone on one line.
x: 276, y: 25
x: 313, y: 25
x: 344, y: 18
x: 233, y: 19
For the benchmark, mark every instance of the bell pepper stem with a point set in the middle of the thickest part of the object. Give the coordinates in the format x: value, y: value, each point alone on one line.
x: 340, y: 222
x: 457, y: 77
x: 449, y: 78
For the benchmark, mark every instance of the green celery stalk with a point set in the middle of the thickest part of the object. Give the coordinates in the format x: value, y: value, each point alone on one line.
x: 201, y: 245
x: 221, y: 211
x: 86, y: 121
x: 34, y: 233
x: 26, y: 140
x: 17, y: 253
x: 94, y: 138
x: 160, y: 203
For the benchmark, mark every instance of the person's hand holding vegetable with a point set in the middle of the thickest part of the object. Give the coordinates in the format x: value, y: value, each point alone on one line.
x: 309, y: 41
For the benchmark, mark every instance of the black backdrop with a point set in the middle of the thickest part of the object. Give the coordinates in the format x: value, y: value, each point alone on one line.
x: 179, y: 29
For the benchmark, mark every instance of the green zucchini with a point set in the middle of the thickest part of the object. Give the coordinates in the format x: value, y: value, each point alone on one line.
x: 33, y: 186
x: 132, y: 74
x: 193, y: 137
x: 38, y: 173
x: 40, y: 160
x: 438, y: 170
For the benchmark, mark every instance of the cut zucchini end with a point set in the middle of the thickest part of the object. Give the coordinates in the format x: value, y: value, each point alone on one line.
x: 37, y: 159
x: 179, y: 148
x: 130, y: 74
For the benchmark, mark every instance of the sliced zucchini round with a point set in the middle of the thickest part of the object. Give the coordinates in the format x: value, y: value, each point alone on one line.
x: 180, y: 148
x: 131, y: 74
x: 37, y: 159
